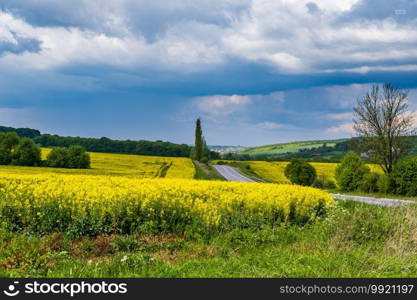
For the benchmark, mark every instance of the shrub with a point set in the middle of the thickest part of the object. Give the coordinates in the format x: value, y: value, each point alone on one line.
x: 404, y: 177
x: 58, y: 158
x: 384, y: 184
x: 204, y: 160
x: 27, y: 153
x: 369, y: 183
x: 78, y: 158
x: 350, y: 172
x: 319, y: 182
x: 8, y: 141
x: 329, y: 184
x: 298, y: 171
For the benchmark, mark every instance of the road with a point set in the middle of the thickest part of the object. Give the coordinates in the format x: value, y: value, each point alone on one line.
x: 375, y: 201
x: 231, y: 174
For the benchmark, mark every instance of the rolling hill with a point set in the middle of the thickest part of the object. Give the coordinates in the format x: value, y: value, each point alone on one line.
x: 314, y: 150
x: 292, y: 147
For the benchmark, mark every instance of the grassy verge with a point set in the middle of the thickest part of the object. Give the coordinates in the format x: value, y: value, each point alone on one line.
x: 374, y: 195
x: 354, y: 240
x: 206, y: 172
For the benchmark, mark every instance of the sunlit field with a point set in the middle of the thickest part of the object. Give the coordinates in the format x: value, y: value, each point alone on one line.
x: 274, y: 171
x: 90, y: 205
x: 137, y: 166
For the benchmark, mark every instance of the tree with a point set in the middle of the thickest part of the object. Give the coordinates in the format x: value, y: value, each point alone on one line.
x: 78, y: 158
x: 350, y: 172
x: 8, y: 141
x: 404, y: 177
x: 58, y: 158
x: 383, y: 123
x: 27, y: 153
x: 199, y: 143
x: 299, y: 171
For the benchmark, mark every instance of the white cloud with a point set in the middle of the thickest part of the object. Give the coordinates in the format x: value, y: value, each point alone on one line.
x: 270, y: 125
x: 221, y: 105
x: 189, y: 36
x: 225, y: 105
x: 62, y: 46
x: 345, y: 128
x: 340, y: 116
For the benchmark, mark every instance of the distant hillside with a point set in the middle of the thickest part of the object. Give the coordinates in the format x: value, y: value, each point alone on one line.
x: 226, y: 149
x: 315, y: 150
x: 292, y: 147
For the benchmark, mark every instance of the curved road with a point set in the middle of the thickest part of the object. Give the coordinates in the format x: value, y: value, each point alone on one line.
x: 231, y: 174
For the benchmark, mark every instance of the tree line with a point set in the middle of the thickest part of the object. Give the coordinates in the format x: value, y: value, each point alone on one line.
x: 18, y: 151
x: 106, y: 145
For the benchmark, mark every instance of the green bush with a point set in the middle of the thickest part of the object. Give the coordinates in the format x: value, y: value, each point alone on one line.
x: 204, y: 160
x: 319, y: 182
x: 404, y: 177
x: 58, y: 158
x: 78, y: 158
x: 369, y: 183
x: 8, y: 141
x: 384, y: 184
x: 329, y: 184
x: 27, y: 153
x: 73, y: 157
x: 298, y: 171
x: 350, y: 172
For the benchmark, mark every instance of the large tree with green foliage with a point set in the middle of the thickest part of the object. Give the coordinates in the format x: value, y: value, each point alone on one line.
x: 383, y: 124
x: 8, y: 142
x: 27, y: 153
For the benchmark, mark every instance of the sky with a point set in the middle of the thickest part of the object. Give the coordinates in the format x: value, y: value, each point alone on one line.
x: 256, y: 71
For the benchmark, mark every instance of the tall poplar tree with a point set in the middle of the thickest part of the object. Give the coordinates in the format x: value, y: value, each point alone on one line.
x: 199, y: 144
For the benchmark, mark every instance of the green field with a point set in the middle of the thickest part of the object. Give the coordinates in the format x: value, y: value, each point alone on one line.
x: 290, y: 147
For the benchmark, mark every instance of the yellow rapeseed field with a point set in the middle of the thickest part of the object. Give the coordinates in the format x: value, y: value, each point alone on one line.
x: 137, y: 166
x: 274, y: 171
x: 85, y: 204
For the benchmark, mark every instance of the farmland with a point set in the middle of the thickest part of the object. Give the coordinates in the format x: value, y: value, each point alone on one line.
x: 290, y: 147
x: 274, y: 171
x: 90, y: 205
x: 118, y: 165
x: 144, y: 216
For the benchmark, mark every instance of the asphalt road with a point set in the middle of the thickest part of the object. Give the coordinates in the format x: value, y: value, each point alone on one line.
x: 375, y: 201
x: 231, y: 174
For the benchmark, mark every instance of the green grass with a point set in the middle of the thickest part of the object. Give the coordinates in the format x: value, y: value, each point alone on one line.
x: 354, y: 240
x: 206, y: 172
x: 289, y: 147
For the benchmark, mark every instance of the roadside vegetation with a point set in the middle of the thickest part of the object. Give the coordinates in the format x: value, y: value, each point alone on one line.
x: 206, y: 172
x: 353, y: 240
